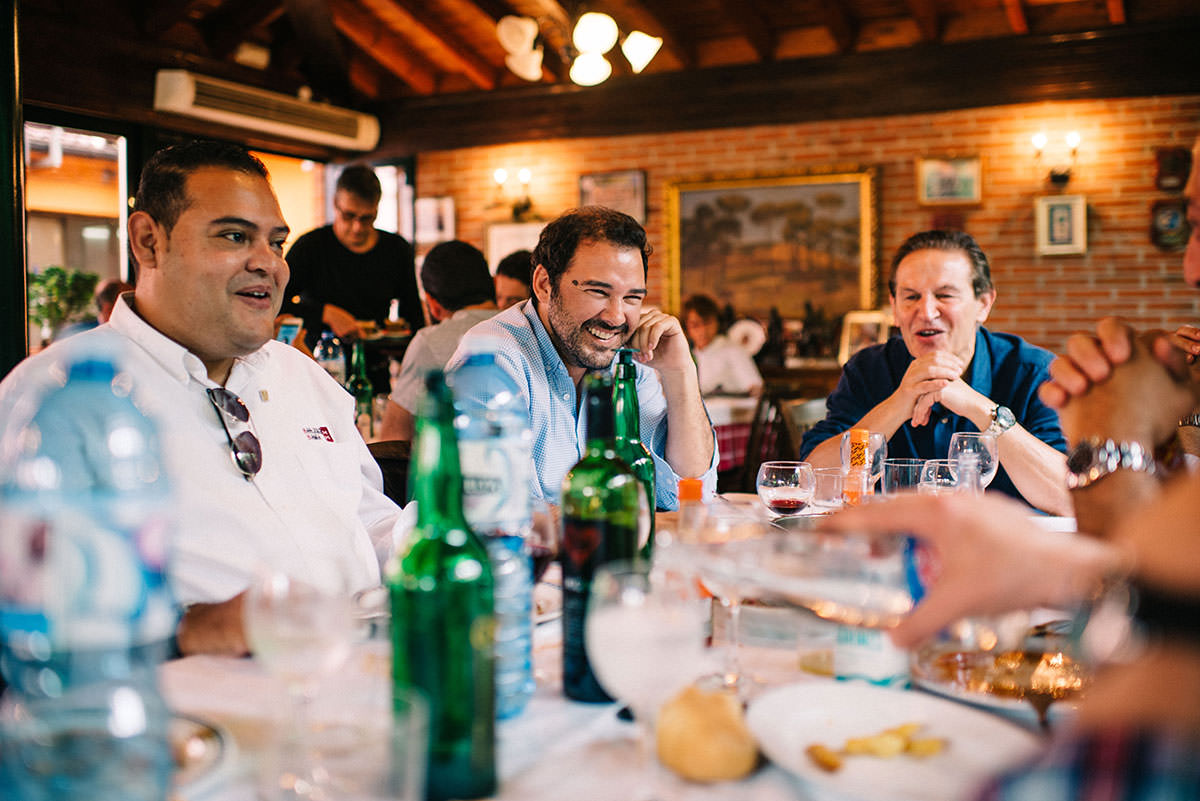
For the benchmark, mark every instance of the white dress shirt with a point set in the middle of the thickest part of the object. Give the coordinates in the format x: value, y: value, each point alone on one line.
x: 724, y: 366
x: 318, y: 495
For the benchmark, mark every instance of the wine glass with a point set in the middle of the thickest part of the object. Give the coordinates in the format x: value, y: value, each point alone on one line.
x: 938, y: 477
x: 984, y: 445
x: 785, y: 487
x: 301, y: 630
x: 644, y: 637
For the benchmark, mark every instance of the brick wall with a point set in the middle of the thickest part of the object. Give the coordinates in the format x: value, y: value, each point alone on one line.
x: 1043, y: 298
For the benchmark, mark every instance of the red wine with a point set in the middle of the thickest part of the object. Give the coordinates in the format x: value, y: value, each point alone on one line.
x: 542, y: 557
x: 786, y: 506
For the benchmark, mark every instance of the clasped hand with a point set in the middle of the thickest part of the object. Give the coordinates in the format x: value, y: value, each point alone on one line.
x: 934, y: 378
x: 1121, y: 385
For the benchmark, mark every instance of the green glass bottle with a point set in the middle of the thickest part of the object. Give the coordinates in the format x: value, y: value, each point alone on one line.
x: 629, y: 435
x: 600, y: 509
x: 442, y: 612
x: 364, y: 393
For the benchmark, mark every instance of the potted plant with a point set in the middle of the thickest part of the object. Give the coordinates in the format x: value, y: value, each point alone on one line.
x: 59, y: 295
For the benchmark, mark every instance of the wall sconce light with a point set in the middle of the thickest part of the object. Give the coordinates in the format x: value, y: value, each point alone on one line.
x: 521, y: 207
x: 1059, y: 175
x: 593, y: 35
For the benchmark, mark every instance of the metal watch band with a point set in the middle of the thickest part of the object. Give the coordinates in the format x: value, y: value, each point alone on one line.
x: 1106, y: 456
x: 1192, y: 420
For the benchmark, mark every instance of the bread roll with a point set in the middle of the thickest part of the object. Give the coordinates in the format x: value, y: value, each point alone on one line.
x: 702, y: 736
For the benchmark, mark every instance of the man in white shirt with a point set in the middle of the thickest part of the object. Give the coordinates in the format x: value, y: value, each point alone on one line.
x: 459, y: 293
x: 264, y: 459
x: 723, y: 365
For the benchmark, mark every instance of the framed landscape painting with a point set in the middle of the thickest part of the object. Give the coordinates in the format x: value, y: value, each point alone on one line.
x: 775, y: 241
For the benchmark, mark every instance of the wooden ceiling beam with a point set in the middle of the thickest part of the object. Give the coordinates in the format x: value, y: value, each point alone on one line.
x: 477, y: 69
x: 226, y: 27
x: 167, y: 14
x: 832, y: 14
x: 683, y: 50
x: 1116, y: 12
x: 324, y: 58
x: 748, y: 19
x: 1015, y: 11
x: 386, y: 48
x: 925, y: 14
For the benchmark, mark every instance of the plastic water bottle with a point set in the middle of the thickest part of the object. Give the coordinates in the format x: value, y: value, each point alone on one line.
x: 85, y: 613
x: 329, y: 354
x: 494, y: 449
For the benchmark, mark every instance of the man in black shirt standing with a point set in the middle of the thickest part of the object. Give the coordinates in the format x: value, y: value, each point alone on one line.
x: 350, y: 270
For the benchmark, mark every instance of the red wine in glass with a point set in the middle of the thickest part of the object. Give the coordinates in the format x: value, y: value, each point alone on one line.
x: 786, y: 506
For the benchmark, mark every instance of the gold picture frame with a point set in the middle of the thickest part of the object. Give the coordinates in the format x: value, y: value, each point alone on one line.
x: 861, y: 329
x: 774, y: 241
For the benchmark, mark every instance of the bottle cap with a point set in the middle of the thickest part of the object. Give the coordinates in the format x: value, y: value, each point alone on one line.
x: 860, y: 435
x: 690, y: 489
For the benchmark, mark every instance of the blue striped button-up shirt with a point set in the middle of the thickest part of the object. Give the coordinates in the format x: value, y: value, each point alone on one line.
x: 524, y: 350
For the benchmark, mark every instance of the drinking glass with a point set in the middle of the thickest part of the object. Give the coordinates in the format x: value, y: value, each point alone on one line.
x: 827, y: 492
x: 541, y: 540
x: 301, y: 631
x: 938, y: 476
x: 983, y: 445
x: 899, y: 474
x: 785, y: 487
x: 877, y: 453
x: 645, y: 641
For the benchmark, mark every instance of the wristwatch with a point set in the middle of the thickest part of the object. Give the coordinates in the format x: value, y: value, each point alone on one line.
x: 1093, y: 459
x: 1002, y: 420
x: 1192, y: 420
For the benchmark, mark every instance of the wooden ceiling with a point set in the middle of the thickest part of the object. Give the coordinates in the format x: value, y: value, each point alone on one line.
x: 422, y: 65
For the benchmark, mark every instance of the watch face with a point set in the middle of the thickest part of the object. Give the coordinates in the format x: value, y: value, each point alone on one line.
x: 1005, y: 417
x: 1080, y: 458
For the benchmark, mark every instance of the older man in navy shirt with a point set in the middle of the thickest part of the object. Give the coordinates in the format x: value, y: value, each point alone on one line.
x: 947, y: 373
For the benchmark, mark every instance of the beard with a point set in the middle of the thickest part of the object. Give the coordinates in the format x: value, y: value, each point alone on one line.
x: 576, y: 346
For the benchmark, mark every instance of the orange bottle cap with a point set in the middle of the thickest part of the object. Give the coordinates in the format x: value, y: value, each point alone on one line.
x: 690, y: 489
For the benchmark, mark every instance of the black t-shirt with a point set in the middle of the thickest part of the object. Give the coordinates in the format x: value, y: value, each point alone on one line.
x: 325, y: 271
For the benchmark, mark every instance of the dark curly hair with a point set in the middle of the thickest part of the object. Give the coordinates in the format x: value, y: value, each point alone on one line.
x: 981, y: 273
x: 162, y: 189
x: 561, y: 238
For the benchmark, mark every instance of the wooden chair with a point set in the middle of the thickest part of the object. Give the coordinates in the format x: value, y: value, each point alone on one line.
x: 770, y: 435
x: 799, y: 415
x: 392, y: 456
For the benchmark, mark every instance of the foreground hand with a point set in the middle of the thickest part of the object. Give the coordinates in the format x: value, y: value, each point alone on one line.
x: 214, y: 629
x: 993, y: 557
x: 659, y: 341
x: 1120, y: 386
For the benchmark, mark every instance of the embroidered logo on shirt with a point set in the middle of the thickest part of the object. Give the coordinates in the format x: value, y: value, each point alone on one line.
x: 318, y: 433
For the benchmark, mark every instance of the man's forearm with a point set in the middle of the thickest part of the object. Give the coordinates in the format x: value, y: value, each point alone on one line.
x: 1038, y: 471
x: 690, y: 442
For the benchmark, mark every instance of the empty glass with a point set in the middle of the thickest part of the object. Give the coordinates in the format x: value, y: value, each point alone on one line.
x: 983, y: 445
x: 938, y: 476
x: 827, y: 493
x: 900, y: 474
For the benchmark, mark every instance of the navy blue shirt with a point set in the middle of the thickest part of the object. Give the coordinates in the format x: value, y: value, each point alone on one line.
x: 1005, y: 368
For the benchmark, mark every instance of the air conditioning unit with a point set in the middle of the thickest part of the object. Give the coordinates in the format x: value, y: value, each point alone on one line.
x: 192, y: 95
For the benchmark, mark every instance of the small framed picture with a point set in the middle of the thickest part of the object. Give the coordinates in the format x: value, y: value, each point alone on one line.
x: 861, y: 329
x: 1061, y: 225
x: 624, y: 190
x: 950, y: 181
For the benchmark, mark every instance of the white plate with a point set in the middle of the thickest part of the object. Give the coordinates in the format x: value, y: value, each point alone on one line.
x: 789, y: 719
x: 200, y: 751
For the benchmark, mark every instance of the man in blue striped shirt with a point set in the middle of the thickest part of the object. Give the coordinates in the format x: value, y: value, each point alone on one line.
x: 589, y: 288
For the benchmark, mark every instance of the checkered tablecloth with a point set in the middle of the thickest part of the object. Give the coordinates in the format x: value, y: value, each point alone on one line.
x: 732, y: 440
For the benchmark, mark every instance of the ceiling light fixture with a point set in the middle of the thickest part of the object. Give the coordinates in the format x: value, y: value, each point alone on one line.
x: 593, y: 35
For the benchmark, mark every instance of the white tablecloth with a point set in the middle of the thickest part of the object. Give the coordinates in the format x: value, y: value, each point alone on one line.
x: 724, y: 410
